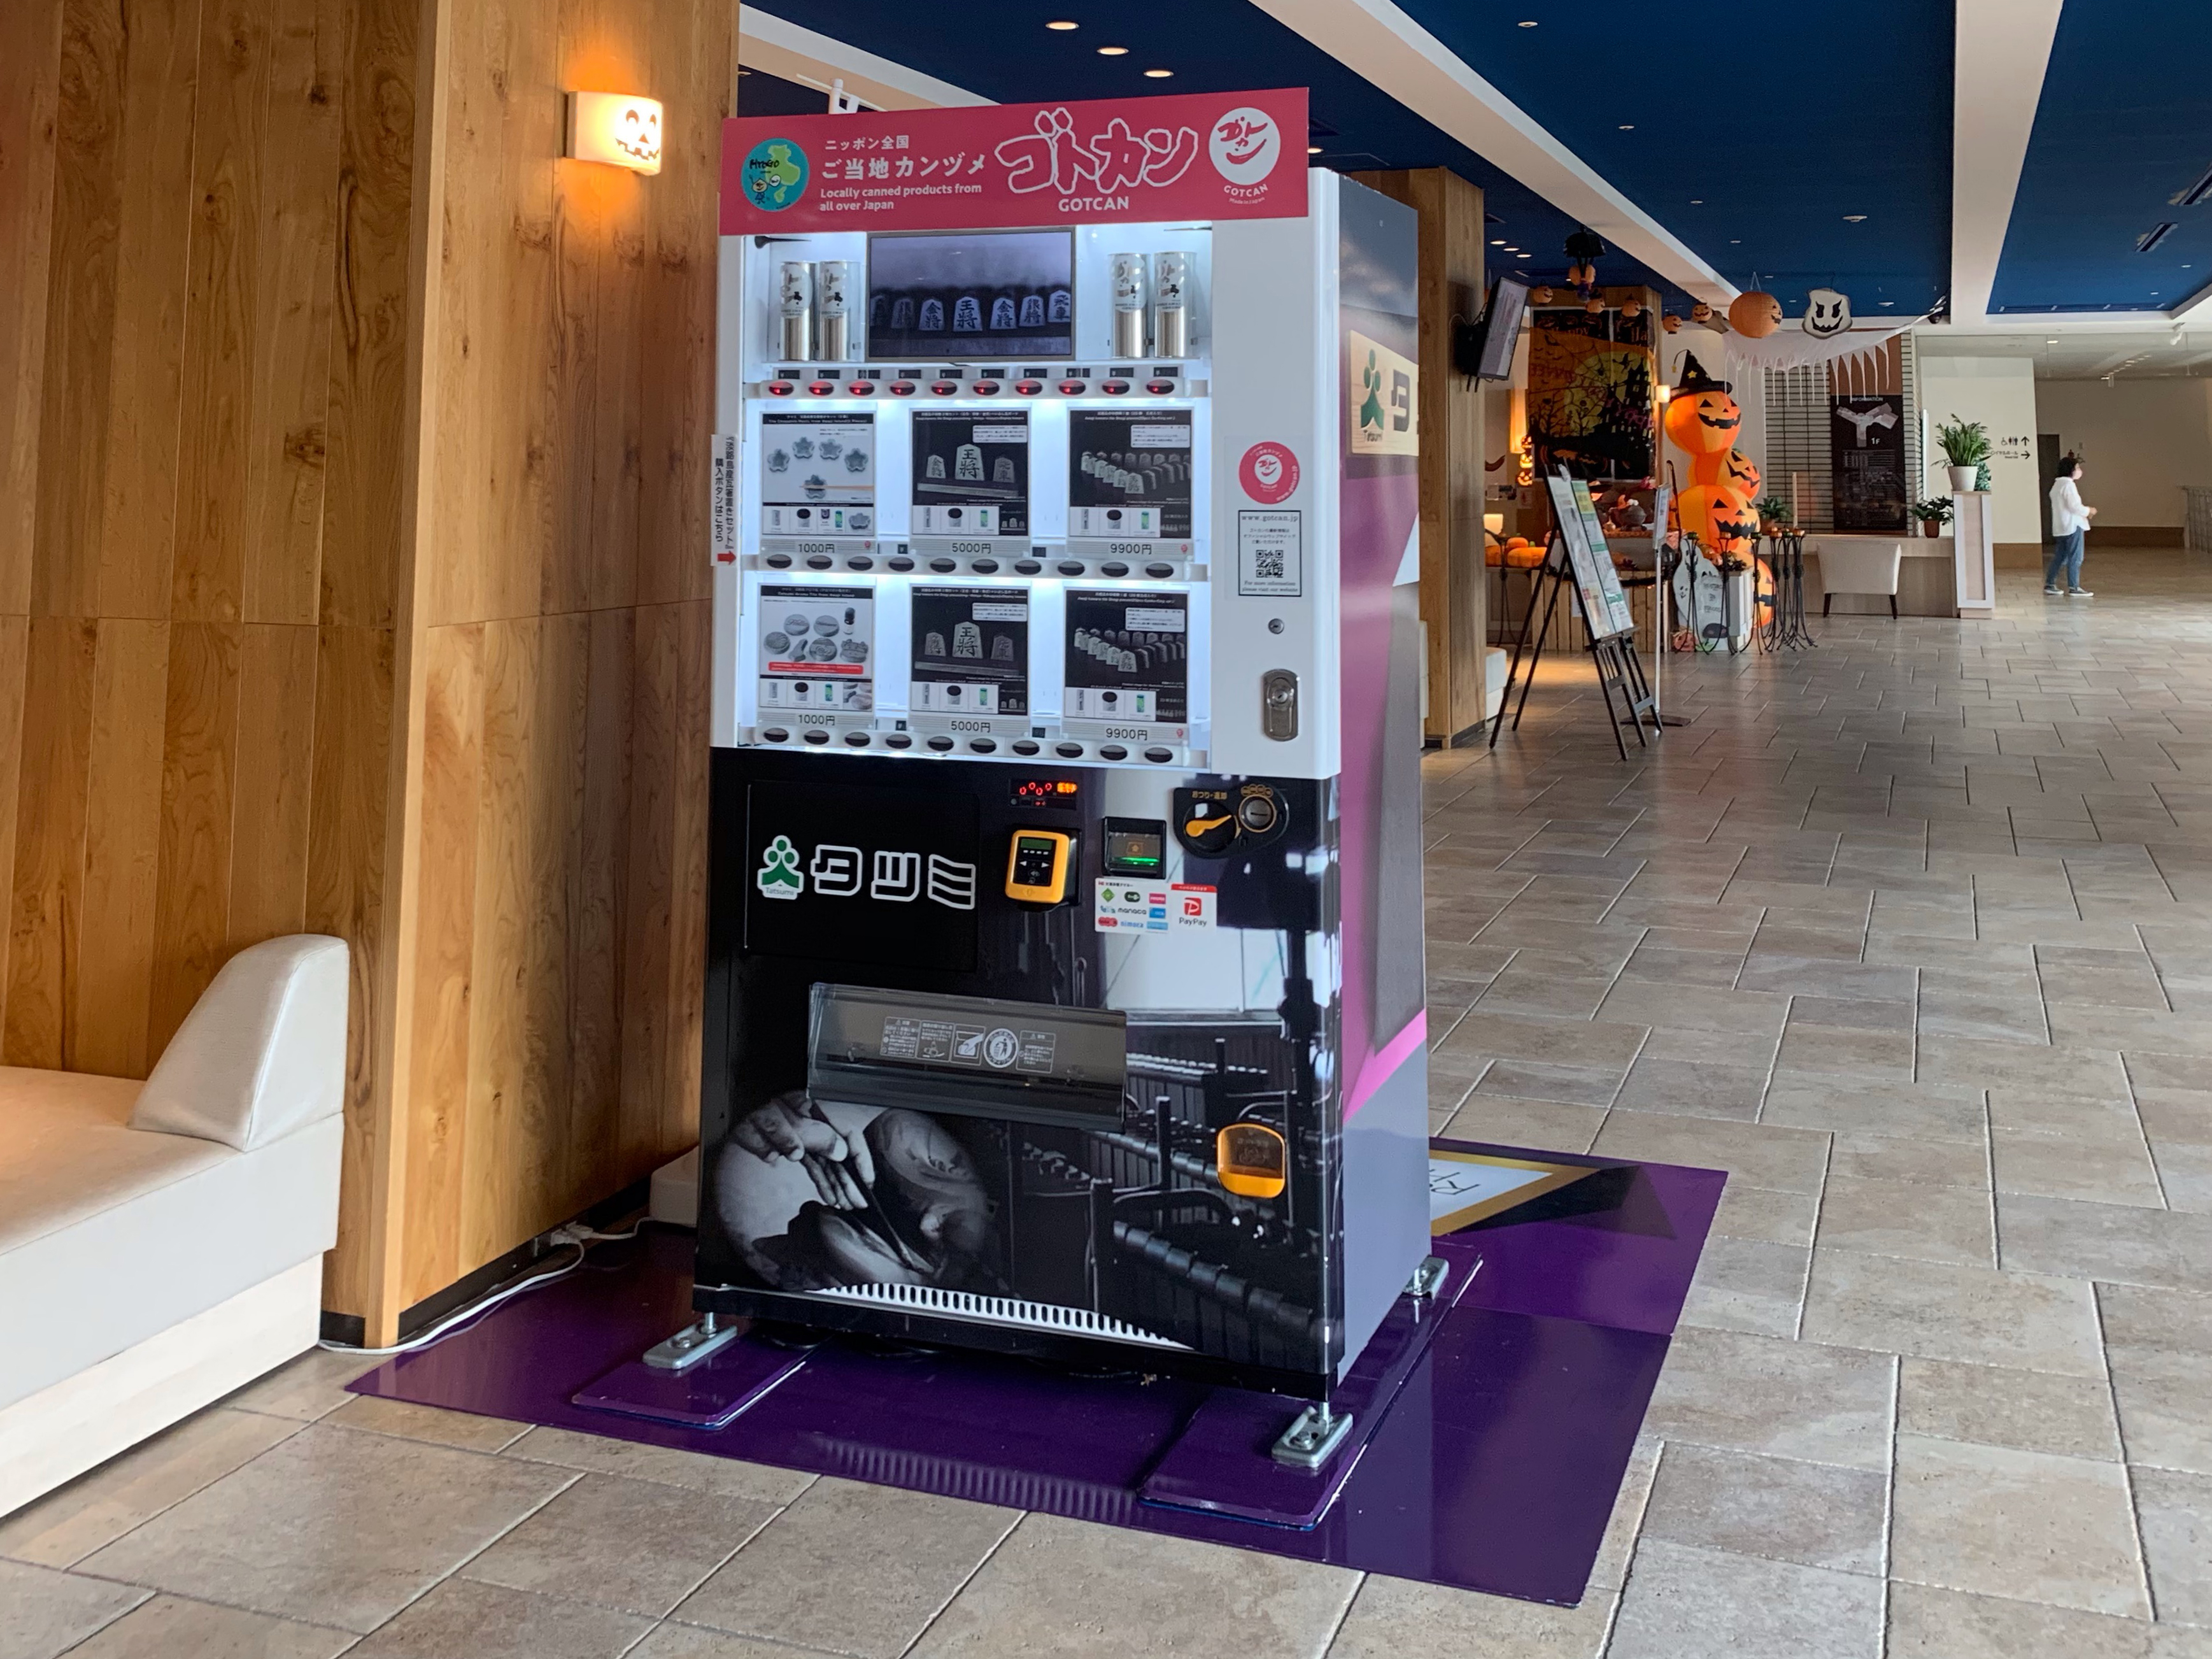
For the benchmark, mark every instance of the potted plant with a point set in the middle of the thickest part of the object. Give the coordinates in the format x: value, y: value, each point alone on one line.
x: 1966, y: 446
x: 1933, y: 514
x: 1776, y: 516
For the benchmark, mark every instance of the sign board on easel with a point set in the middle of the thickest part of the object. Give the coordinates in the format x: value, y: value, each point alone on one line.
x: 1603, y: 604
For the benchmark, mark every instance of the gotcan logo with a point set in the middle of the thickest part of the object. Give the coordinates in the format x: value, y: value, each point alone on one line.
x: 1245, y: 145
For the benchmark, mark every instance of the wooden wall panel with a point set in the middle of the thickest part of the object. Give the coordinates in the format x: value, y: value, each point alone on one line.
x: 352, y: 456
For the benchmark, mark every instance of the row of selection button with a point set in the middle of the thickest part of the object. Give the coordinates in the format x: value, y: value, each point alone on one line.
x: 1158, y: 754
x: 1156, y: 386
x: 901, y: 564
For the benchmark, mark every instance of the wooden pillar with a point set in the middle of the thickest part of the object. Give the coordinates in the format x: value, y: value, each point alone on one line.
x: 1451, y: 288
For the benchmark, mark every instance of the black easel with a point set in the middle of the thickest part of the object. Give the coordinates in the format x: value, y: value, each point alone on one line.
x: 1619, y: 668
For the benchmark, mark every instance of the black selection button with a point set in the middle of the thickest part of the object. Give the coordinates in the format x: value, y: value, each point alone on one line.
x: 1068, y: 750
x: 943, y: 567
x: 985, y: 567
x: 1112, y: 751
x: 776, y: 734
x: 1025, y: 745
x: 818, y: 562
x: 1113, y: 388
x: 1114, y: 567
x: 898, y: 740
x: 1161, y: 572
x: 1029, y: 388
x: 778, y: 561
x: 941, y: 744
x: 903, y: 388
x: 987, y: 388
x: 817, y: 737
x: 860, y: 561
x: 984, y: 745
x: 1159, y: 757
x: 856, y: 739
x: 1027, y: 566
x: 1070, y: 566
x: 944, y: 388
x: 901, y: 564
x: 1159, y: 388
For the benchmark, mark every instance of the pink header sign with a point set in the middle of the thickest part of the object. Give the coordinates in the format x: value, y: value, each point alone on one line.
x: 1196, y: 156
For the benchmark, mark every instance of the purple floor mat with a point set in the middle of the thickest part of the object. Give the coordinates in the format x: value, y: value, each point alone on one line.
x: 1495, y: 1469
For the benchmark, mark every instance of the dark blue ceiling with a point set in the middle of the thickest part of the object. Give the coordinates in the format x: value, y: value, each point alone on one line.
x: 2125, y: 124
x: 1748, y: 129
x: 1001, y: 50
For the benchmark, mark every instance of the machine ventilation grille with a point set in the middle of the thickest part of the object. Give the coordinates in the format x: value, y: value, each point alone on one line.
x: 1000, y: 1310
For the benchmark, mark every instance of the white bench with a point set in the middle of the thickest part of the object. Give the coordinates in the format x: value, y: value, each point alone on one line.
x: 161, y: 1243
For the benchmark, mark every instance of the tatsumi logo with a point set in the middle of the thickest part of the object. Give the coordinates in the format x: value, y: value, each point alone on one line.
x: 849, y: 872
x: 1245, y: 145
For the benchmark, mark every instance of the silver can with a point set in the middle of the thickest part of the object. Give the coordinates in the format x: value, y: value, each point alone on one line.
x: 1132, y: 288
x: 1171, y: 305
x: 833, y: 314
x: 795, y: 310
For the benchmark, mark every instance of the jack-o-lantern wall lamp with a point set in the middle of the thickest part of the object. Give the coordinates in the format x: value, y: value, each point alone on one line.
x: 615, y: 128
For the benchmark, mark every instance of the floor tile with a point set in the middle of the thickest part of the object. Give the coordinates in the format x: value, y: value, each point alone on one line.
x: 169, y: 1627
x: 2158, y: 1344
x: 725, y: 1477
x: 1941, y: 1311
x: 921, y: 1550
x: 1995, y: 1406
x: 2125, y: 1243
x: 1693, y: 1088
x: 1537, y: 1079
x: 463, y: 1430
x: 2176, y: 1509
x: 48, y: 1613
x: 2029, y: 1525
x: 332, y: 1526
x: 1551, y: 1126
x: 1780, y: 1159
x: 2101, y: 1171
x: 1058, y: 1586
x: 1616, y: 1550
x: 310, y: 1387
x: 631, y: 1544
x: 1814, y: 1514
x: 1908, y: 1218
x: 1896, y: 1157
x: 1558, y: 1042
x: 462, y: 1619
x: 1683, y: 1603
x: 1789, y: 1399
x: 1399, y: 1619
x: 100, y: 1507
x: 1772, y: 1218
x: 1925, y: 1623
x: 1742, y: 1285
x: 1971, y: 1062
x: 674, y: 1641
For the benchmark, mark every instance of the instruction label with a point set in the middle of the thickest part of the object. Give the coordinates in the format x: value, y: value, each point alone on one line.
x: 1270, y: 553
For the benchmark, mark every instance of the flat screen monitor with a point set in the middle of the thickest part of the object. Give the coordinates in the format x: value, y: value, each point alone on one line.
x: 1501, y: 328
x: 949, y: 298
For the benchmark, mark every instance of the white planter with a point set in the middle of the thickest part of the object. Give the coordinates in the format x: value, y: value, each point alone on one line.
x: 1963, y: 477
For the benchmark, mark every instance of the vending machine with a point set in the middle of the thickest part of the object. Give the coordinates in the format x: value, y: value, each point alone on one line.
x: 1065, y: 989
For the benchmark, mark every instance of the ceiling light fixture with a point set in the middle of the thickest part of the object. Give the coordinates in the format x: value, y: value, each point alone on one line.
x: 1697, y: 201
x: 1855, y: 218
x: 1529, y: 23
x: 1063, y: 24
x: 1112, y: 52
x: 1313, y: 149
x: 1628, y: 126
x: 1158, y: 75
x: 1497, y: 241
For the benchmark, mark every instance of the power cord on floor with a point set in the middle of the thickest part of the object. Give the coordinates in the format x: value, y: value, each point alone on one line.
x: 573, y: 1233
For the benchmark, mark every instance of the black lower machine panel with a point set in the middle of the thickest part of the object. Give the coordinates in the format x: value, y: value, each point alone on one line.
x: 920, y: 1120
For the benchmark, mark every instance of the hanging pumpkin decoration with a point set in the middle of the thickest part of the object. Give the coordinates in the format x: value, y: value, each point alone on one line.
x: 1701, y: 312
x: 1594, y: 305
x: 1540, y: 295
x: 1755, y: 314
x: 1702, y: 417
x: 1671, y: 322
x: 1584, y: 251
x: 1632, y: 309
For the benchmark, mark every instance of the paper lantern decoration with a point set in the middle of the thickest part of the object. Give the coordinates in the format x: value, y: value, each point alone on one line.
x: 1701, y: 312
x: 1755, y: 315
x: 1671, y: 322
x: 1540, y: 295
x: 1827, y: 314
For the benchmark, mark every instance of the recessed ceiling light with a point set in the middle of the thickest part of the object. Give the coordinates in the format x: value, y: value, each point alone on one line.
x: 1697, y: 201
x: 1735, y: 241
x: 1529, y: 23
x: 1062, y: 23
x: 1889, y: 302
x: 1112, y: 52
x: 1497, y: 241
x: 1313, y: 149
x: 1855, y: 218
x: 1628, y: 126
x: 1158, y: 75
x: 2051, y: 342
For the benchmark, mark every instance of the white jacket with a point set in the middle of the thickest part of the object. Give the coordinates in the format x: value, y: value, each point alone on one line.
x: 2066, y: 513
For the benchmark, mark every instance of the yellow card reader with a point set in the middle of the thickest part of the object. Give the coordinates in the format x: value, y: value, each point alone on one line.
x: 1039, y: 865
x: 1253, y: 1160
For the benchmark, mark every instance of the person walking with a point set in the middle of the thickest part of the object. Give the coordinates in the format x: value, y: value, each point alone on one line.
x: 2070, y: 523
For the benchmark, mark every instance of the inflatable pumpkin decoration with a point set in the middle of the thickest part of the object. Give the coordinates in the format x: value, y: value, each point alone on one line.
x: 1739, y: 473
x: 1703, y: 417
x: 1755, y: 315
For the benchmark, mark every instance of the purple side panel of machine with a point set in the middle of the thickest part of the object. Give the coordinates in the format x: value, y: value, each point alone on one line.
x: 1495, y: 1469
